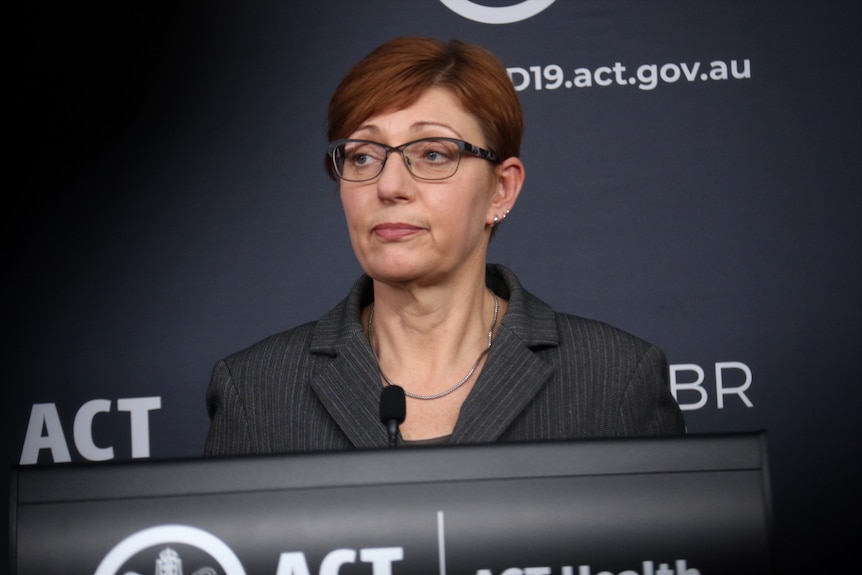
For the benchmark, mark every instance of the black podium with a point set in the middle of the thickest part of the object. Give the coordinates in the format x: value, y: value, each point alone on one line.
x: 693, y: 505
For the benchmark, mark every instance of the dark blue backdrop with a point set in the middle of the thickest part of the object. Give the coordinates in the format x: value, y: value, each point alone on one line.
x: 170, y: 207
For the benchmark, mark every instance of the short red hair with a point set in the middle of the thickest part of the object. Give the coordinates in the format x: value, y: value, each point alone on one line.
x: 394, y: 75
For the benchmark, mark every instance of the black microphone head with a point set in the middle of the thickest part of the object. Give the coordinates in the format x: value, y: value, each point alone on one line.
x: 393, y: 404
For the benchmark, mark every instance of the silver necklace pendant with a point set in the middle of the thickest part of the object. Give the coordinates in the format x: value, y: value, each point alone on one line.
x: 464, y: 379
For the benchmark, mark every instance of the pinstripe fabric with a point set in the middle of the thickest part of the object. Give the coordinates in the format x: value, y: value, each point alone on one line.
x: 549, y: 376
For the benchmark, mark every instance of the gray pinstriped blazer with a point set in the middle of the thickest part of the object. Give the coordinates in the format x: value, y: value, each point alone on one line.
x: 548, y: 376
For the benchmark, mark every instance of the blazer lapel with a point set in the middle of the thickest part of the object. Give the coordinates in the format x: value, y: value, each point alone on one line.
x: 510, y: 379
x: 513, y: 374
x: 349, y: 386
x: 350, y: 390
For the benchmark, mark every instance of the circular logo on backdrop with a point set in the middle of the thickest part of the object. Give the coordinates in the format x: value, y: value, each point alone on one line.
x: 172, y: 549
x: 497, y: 14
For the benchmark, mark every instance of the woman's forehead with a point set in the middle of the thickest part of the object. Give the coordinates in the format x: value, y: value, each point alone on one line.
x: 436, y: 110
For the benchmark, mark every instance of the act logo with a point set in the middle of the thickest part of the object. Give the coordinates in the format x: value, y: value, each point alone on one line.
x: 497, y: 14
x: 169, y: 547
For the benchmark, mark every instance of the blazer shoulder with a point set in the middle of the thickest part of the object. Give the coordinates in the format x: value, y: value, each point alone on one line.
x: 290, y: 342
x: 578, y: 331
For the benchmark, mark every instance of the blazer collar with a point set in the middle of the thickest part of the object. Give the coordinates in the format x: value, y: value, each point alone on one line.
x: 350, y: 385
x: 513, y: 373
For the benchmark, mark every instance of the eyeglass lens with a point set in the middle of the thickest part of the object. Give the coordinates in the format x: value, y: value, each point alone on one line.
x: 426, y: 159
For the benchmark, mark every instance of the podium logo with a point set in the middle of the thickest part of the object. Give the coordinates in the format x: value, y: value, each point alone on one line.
x: 497, y: 14
x: 174, y: 550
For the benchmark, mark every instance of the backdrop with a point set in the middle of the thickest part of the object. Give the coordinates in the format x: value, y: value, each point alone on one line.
x: 693, y: 176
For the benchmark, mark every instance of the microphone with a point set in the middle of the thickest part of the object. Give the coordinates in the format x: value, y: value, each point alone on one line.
x: 393, y: 410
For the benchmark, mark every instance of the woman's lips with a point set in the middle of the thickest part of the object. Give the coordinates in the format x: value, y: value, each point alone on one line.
x: 394, y: 231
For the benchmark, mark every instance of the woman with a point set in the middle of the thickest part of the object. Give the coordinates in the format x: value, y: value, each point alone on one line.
x: 425, y: 138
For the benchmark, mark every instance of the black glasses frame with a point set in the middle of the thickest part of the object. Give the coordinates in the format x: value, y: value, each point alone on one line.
x: 463, y: 147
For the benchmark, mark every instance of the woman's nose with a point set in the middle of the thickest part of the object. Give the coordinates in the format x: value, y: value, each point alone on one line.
x: 395, y: 180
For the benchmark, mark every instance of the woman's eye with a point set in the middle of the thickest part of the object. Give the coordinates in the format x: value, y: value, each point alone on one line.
x: 436, y: 152
x: 362, y: 156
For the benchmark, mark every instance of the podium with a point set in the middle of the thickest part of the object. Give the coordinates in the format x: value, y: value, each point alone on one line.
x: 691, y: 505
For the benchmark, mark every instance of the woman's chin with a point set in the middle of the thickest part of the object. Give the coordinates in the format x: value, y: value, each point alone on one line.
x: 402, y: 272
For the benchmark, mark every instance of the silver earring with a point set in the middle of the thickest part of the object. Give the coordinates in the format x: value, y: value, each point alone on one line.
x: 496, y: 220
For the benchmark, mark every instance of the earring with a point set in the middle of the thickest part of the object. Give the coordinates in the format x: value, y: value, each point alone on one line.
x: 496, y: 220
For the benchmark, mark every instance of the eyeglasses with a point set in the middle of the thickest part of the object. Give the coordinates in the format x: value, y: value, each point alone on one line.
x: 426, y: 159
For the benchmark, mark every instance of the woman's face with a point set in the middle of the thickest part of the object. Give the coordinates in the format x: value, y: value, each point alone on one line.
x: 408, y: 230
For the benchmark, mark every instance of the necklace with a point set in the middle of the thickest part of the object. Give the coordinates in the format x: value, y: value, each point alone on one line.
x: 464, y: 379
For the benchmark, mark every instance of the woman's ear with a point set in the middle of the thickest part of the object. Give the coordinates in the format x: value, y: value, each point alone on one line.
x: 510, y: 180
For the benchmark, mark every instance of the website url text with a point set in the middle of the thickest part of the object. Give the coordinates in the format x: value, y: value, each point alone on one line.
x: 645, y: 76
